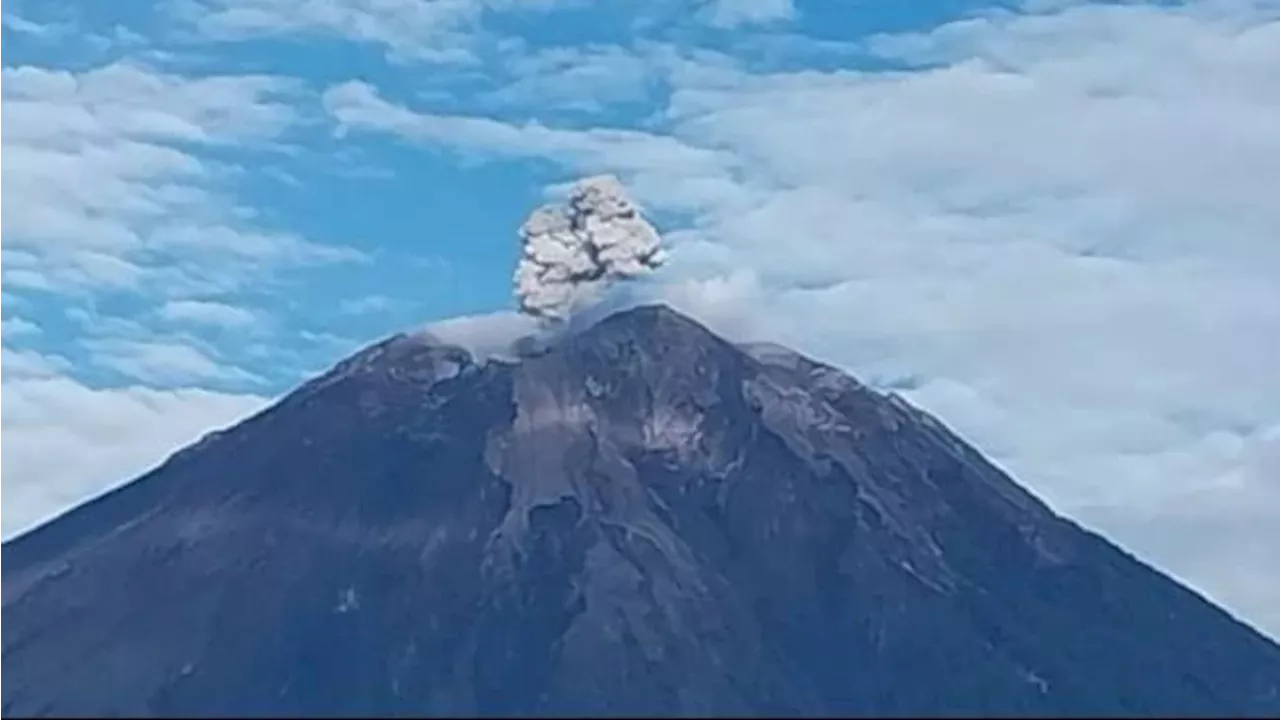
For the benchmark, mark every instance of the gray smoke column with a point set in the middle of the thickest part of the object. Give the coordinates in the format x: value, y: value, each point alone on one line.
x: 573, y: 252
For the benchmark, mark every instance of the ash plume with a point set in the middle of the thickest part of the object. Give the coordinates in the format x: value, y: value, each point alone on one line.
x: 573, y: 252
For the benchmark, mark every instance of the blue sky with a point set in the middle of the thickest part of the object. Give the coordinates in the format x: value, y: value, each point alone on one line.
x: 1050, y: 222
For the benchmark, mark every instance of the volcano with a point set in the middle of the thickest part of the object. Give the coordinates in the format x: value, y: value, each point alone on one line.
x: 639, y: 518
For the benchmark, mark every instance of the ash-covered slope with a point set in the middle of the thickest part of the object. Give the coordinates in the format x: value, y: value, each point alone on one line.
x: 642, y: 519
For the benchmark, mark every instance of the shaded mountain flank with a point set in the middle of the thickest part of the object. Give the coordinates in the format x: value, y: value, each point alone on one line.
x: 641, y: 518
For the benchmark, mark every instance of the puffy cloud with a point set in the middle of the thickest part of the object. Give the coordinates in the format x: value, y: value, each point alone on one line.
x: 21, y: 25
x: 15, y: 326
x: 366, y: 304
x: 440, y: 31
x: 1215, y: 528
x: 27, y: 364
x: 66, y: 442
x: 486, y: 335
x: 163, y: 362
x: 206, y: 312
x: 113, y: 186
x: 357, y: 106
x: 586, y: 79
x: 733, y: 13
x: 449, y: 32
x: 408, y: 29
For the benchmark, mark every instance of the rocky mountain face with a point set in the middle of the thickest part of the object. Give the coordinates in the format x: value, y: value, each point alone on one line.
x: 642, y: 518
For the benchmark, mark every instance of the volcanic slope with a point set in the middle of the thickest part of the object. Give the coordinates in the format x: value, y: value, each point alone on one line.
x: 641, y: 518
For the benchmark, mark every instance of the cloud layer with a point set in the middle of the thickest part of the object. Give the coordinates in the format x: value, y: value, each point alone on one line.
x: 65, y: 442
x: 117, y: 180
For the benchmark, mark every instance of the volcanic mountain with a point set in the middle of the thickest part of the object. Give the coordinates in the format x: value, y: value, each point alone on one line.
x: 639, y: 518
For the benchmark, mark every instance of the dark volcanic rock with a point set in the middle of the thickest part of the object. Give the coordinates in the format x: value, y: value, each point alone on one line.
x: 642, y: 519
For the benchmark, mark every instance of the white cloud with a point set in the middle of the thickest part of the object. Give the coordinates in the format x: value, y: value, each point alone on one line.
x: 1054, y: 229
x: 1218, y: 532
x: 486, y: 335
x: 111, y: 186
x: 679, y: 174
x: 205, y: 312
x: 66, y: 442
x: 22, y: 19
x: 163, y: 362
x: 367, y: 304
x: 358, y: 105
x: 15, y: 326
x: 408, y: 29
x: 734, y: 13
x: 17, y: 24
x: 439, y: 31
x: 575, y: 78
x: 237, y: 247
x: 26, y: 364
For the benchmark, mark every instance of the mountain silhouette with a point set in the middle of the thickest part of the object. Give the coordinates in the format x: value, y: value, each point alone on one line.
x: 639, y: 518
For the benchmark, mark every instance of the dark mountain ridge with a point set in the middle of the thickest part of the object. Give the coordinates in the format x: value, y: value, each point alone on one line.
x: 640, y: 518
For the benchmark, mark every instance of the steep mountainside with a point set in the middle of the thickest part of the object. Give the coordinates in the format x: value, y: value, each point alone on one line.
x: 643, y: 518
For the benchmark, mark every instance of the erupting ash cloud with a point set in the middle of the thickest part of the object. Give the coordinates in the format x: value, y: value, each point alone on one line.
x: 572, y: 253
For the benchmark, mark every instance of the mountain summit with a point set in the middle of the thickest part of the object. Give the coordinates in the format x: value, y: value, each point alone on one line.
x: 642, y: 518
